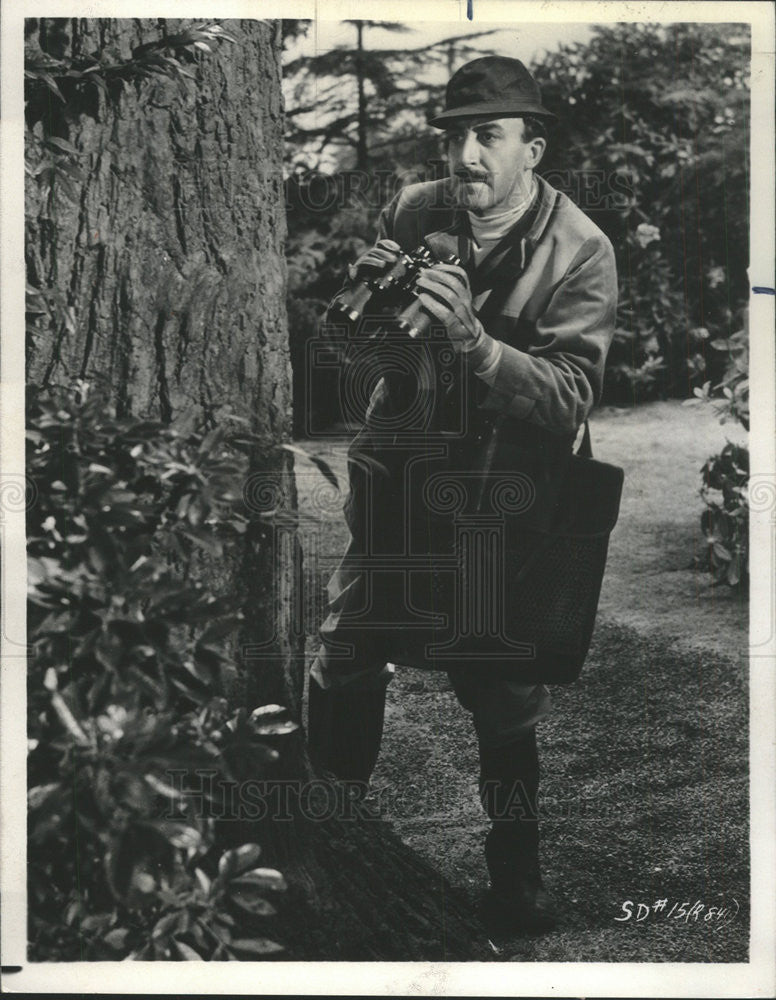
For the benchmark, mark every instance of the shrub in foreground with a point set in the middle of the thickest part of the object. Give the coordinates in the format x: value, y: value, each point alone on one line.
x: 125, y: 687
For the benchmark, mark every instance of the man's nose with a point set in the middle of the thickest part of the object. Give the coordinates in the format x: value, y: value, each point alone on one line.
x: 470, y: 152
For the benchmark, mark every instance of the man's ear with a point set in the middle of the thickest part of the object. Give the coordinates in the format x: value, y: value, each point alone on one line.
x: 536, y: 148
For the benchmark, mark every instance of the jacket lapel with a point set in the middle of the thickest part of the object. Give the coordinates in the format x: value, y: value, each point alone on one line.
x: 511, y: 254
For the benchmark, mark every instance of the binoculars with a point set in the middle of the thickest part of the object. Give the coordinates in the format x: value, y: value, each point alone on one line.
x: 391, y: 295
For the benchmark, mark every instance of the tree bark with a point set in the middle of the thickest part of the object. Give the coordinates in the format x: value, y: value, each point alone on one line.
x: 172, y: 256
x: 169, y: 271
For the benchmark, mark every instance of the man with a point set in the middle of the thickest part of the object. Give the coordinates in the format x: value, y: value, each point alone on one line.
x: 530, y: 315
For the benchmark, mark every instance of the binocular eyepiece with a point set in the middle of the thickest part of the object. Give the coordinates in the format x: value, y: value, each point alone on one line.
x: 392, y: 294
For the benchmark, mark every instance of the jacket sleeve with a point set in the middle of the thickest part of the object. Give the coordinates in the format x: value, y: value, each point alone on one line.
x: 386, y: 220
x: 559, y: 378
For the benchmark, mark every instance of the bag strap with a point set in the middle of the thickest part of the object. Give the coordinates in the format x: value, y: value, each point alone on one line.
x: 585, y: 449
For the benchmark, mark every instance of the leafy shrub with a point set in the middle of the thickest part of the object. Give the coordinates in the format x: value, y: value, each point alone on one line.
x: 125, y: 692
x: 725, y: 521
x: 734, y: 402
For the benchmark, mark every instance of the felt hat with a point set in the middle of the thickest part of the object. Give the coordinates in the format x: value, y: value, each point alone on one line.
x: 491, y: 85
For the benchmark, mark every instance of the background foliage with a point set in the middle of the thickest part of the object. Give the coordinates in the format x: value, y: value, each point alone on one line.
x: 665, y: 110
x: 725, y: 489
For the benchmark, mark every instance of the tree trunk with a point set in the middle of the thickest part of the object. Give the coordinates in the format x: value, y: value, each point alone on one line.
x: 172, y: 255
x: 362, y: 159
x: 168, y: 278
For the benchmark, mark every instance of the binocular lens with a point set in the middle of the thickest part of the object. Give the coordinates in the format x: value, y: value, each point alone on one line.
x: 351, y: 305
x: 413, y: 320
x: 398, y: 280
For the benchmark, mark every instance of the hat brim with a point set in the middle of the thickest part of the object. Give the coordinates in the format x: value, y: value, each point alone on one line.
x: 500, y: 109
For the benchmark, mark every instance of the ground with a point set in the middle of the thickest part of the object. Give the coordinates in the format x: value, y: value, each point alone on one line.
x: 644, y: 760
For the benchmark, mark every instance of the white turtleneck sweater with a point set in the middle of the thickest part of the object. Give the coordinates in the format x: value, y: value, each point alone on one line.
x: 487, y: 231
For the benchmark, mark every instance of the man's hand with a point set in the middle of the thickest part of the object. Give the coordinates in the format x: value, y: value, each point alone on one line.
x: 444, y: 292
x: 375, y: 261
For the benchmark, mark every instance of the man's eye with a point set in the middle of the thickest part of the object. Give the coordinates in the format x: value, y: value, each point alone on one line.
x: 487, y: 137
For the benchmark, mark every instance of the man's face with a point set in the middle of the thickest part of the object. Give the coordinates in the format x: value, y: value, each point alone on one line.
x: 491, y: 161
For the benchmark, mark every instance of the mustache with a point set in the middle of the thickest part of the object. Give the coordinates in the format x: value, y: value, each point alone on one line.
x: 471, y: 175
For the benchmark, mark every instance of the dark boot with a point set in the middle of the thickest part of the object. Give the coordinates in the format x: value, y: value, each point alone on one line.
x: 344, y: 729
x: 509, y: 786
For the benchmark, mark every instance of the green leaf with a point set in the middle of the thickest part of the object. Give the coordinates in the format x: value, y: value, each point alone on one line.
x: 116, y: 939
x: 265, y: 710
x: 203, y: 539
x: 96, y: 922
x: 262, y: 878
x: 36, y: 571
x: 275, y: 728
x: 36, y: 797
x: 236, y: 861
x: 68, y: 720
x: 168, y: 924
x: 101, y: 85
x: 200, y: 671
x: 163, y: 788
x: 255, y: 947
x: 178, y: 834
x: 51, y: 83
x: 61, y: 144
x: 74, y: 912
x: 253, y: 904
x: 203, y: 880
x: 221, y: 628
x: 187, y: 953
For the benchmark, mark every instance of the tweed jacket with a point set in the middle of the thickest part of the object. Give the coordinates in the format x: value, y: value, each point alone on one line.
x: 548, y: 291
x: 556, y: 321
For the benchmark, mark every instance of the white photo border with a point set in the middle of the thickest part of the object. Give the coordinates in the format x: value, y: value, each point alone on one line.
x: 757, y: 978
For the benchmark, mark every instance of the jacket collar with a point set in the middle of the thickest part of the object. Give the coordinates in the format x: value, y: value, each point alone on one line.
x: 547, y: 202
x: 455, y: 237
